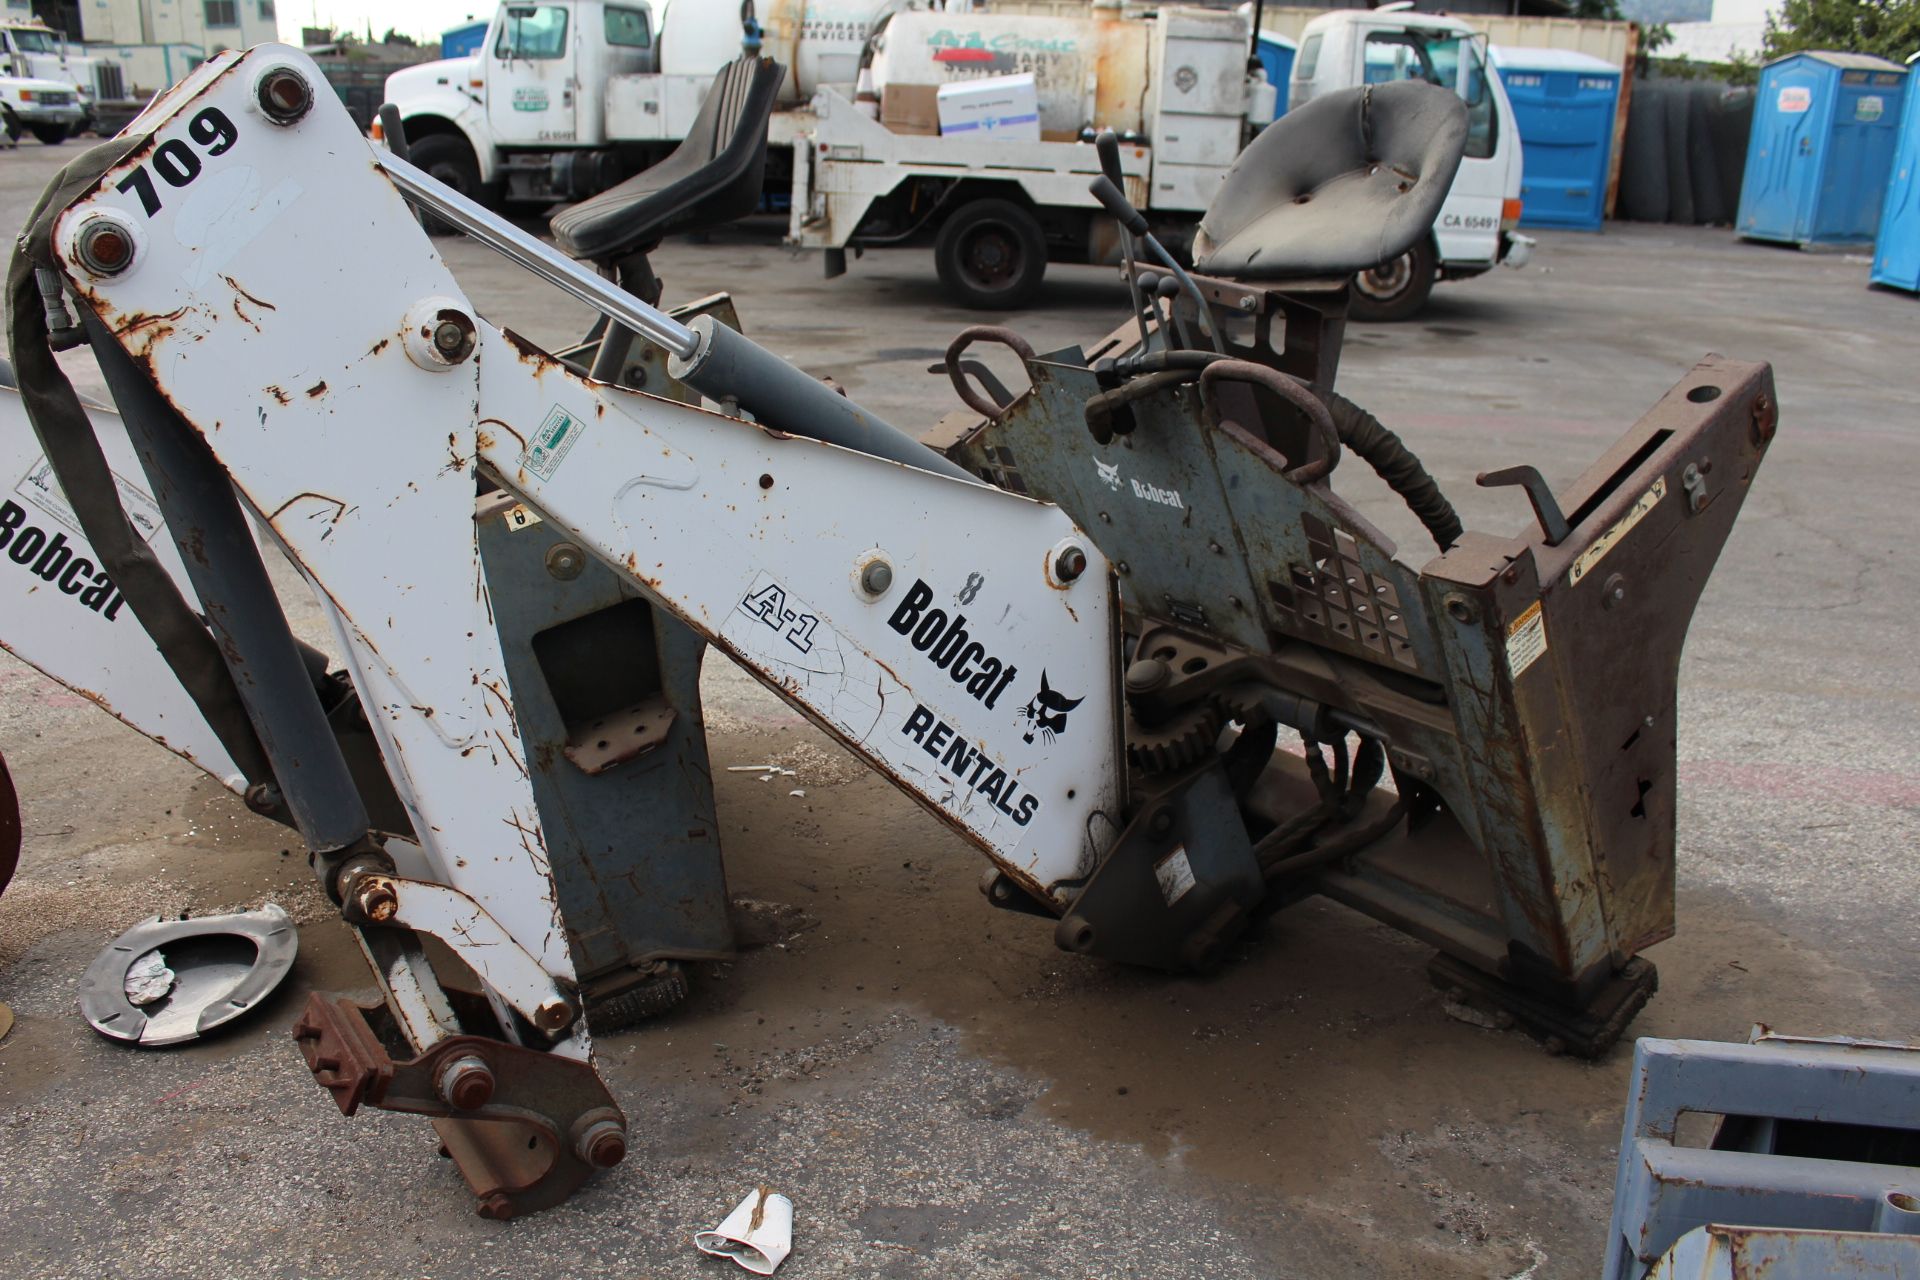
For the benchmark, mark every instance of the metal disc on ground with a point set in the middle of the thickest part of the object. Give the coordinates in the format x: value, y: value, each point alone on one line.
x: 193, y: 975
x: 9, y: 826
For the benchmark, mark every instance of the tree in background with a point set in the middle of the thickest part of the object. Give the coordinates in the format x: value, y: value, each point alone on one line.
x: 1890, y: 28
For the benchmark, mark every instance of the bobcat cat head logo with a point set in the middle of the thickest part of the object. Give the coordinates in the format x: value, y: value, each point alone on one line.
x: 1046, y: 713
x: 1109, y: 471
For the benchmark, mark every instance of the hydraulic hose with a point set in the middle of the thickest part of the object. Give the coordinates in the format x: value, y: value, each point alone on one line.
x: 1382, y: 450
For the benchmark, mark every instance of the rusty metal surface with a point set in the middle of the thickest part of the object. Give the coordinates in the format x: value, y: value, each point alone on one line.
x: 1664, y: 1190
x: 1527, y: 689
x: 545, y: 1126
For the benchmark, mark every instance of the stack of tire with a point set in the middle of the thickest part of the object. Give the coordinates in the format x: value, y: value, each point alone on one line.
x: 1685, y: 153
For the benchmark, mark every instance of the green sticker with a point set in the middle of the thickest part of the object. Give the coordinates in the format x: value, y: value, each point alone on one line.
x: 549, y: 446
x: 530, y: 99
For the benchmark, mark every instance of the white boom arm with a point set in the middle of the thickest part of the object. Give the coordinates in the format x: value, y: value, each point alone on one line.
x: 284, y: 299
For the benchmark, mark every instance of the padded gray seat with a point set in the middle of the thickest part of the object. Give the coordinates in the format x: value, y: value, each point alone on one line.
x: 1349, y: 181
x: 713, y: 176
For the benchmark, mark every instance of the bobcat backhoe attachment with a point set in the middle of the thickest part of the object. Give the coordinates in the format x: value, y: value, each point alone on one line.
x: 1075, y: 624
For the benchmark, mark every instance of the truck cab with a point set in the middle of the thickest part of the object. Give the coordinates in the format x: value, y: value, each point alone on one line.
x: 491, y: 124
x: 31, y: 50
x: 1475, y: 229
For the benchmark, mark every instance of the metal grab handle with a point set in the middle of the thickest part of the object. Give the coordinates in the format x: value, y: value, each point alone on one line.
x: 1295, y: 394
x: 958, y: 376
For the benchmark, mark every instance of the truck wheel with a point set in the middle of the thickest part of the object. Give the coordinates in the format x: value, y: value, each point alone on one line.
x: 991, y: 255
x: 449, y: 160
x: 1395, y: 290
x: 51, y: 134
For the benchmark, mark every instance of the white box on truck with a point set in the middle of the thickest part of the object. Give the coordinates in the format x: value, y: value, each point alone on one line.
x: 992, y: 109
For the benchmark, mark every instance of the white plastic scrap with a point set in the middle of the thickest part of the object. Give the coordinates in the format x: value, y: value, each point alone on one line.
x: 758, y: 1234
x: 148, y: 979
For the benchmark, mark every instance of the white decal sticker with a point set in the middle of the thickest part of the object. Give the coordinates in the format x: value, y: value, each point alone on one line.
x: 1526, y: 639
x: 1593, y: 555
x: 1795, y: 99
x: 551, y: 443
x: 1869, y: 107
x: 42, y: 488
x: 1175, y: 875
x: 521, y: 516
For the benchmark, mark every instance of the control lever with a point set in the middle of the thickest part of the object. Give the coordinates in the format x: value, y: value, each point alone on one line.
x: 1108, y: 147
x: 1131, y: 219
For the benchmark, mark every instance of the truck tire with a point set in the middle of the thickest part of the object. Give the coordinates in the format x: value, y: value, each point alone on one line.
x: 1395, y: 290
x: 991, y: 255
x: 50, y: 134
x: 448, y: 159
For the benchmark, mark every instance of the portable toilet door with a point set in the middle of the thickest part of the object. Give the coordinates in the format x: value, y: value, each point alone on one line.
x: 1564, y: 104
x: 1276, y: 59
x: 1896, y: 255
x: 1821, y: 148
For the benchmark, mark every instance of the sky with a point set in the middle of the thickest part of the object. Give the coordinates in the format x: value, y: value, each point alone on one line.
x: 421, y: 19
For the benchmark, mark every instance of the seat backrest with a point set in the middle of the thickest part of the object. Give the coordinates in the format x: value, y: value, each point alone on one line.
x: 1348, y: 181
x: 713, y: 177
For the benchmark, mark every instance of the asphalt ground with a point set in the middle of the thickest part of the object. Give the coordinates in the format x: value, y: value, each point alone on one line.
x: 940, y: 1091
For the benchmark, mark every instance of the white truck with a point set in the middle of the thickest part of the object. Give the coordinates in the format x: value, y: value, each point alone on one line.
x: 997, y: 211
x: 1476, y: 227
x: 565, y: 98
x: 31, y: 50
x: 48, y: 109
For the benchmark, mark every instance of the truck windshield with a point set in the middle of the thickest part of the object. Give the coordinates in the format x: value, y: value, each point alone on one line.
x: 533, y: 31
x: 34, y: 41
x: 1449, y: 60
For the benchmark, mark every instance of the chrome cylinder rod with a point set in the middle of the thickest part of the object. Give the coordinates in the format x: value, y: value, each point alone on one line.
x: 539, y: 257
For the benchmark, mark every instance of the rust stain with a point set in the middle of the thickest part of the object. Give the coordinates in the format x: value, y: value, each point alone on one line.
x: 317, y: 389
x: 258, y: 302
x: 495, y: 422
x: 279, y: 395
x: 531, y: 354
x: 379, y: 346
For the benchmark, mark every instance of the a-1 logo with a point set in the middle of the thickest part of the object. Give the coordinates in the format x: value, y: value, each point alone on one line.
x: 1046, y: 712
x: 769, y: 604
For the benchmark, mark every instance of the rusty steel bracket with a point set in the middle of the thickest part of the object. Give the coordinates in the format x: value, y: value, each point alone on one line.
x: 526, y: 1128
x: 1546, y: 508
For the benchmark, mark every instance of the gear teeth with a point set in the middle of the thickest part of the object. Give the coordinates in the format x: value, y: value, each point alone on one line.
x: 1186, y: 739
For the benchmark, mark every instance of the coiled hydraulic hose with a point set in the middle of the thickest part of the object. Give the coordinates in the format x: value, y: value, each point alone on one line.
x: 1363, y: 433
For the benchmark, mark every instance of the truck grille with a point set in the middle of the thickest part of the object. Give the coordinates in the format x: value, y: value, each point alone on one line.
x: 109, y: 82
x: 54, y: 98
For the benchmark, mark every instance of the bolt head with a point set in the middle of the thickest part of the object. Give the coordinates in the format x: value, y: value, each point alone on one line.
x: 467, y: 1083
x: 284, y: 95
x: 566, y: 561
x: 876, y: 578
x: 1070, y: 564
x: 104, y: 247
x: 553, y: 1016
x: 604, y: 1144
x: 1147, y: 674
x: 378, y: 902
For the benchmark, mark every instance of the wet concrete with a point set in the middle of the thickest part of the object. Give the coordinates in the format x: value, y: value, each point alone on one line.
x: 942, y: 1092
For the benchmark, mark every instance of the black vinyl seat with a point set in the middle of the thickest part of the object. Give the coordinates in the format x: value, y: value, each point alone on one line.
x: 1345, y: 183
x: 712, y: 177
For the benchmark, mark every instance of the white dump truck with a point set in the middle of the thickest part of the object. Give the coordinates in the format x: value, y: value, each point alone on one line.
x: 31, y: 50
x: 563, y: 99
x: 1175, y: 84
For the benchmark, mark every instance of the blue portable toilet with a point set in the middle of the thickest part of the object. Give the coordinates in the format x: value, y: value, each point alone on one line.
x: 458, y: 42
x: 1565, y: 104
x: 1896, y: 255
x: 1821, y: 148
x: 1276, y: 57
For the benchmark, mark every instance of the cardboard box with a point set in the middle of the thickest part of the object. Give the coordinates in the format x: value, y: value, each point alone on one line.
x: 910, y: 108
x: 991, y: 109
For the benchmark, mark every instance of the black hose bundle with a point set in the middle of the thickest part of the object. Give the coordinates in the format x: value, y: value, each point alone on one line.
x: 1382, y: 450
x: 1290, y: 849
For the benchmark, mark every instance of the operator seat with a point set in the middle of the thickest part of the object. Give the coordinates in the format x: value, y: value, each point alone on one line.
x: 712, y: 177
x: 1345, y: 183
